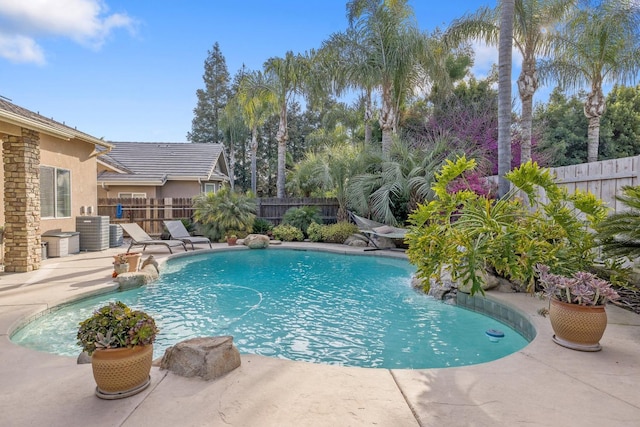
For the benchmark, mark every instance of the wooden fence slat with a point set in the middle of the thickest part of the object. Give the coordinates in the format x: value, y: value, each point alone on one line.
x: 150, y: 213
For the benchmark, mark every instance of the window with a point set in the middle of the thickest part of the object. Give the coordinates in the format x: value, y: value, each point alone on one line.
x: 55, y: 192
x: 210, y: 188
x: 132, y: 195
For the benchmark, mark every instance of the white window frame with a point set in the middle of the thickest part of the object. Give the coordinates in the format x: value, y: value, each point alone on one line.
x: 132, y: 195
x: 211, y: 187
x: 61, y: 197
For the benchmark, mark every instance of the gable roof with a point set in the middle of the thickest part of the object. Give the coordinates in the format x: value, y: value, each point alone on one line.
x: 18, y: 116
x: 154, y: 163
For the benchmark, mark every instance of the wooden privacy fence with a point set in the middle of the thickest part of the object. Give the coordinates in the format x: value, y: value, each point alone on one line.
x: 149, y: 213
x: 604, y: 179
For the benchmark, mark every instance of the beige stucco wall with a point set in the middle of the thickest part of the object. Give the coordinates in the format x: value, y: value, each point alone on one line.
x: 112, y: 191
x: 75, y: 156
x: 181, y: 189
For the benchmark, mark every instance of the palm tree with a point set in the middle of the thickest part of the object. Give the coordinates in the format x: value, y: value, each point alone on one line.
x: 504, y: 94
x: 600, y: 44
x: 232, y: 127
x: 257, y: 104
x: 285, y: 77
x: 387, y: 53
x: 533, y: 22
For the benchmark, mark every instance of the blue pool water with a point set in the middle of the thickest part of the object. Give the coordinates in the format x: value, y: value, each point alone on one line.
x: 298, y: 305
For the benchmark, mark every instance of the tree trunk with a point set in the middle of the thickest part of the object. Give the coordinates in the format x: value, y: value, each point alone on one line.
x: 254, y: 155
x: 594, y: 109
x: 387, y: 121
x: 232, y: 167
x: 368, y: 115
x: 504, y: 94
x: 527, y: 86
x: 281, y: 137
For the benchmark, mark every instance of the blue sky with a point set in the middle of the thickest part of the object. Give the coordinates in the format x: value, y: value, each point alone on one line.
x: 129, y: 70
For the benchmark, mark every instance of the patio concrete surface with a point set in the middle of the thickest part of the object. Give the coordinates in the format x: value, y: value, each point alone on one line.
x: 541, y: 385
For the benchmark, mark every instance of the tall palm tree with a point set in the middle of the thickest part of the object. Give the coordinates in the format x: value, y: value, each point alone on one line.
x: 389, y: 54
x: 600, y: 44
x: 505, y: 43
x: 232, y: 126
x: 533, y: 24
x: 285, y: 78
x: 257, y: 104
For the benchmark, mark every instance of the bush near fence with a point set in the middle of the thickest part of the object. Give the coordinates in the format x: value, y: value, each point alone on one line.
x: 149, y: 213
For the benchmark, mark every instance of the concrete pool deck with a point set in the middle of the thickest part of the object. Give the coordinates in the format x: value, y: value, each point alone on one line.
x: 542, y: 385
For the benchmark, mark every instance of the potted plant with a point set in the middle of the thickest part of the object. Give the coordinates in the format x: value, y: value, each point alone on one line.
x: 577, y: 307
x: 120, y: 343
x: 120, y: 264
x: 232, y: 239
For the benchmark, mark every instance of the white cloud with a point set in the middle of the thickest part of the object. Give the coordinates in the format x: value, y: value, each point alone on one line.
x: 84, y: 21
x: 486, y: 56
x: 20, y: 49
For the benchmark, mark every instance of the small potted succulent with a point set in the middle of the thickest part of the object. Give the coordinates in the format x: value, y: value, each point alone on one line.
x: 577, y: 307
x: 231, y: 239
x: 120, y: 343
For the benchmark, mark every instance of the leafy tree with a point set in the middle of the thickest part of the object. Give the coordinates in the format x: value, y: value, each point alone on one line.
x: 600, y: 44
x: 533, y: 24
x: 562, y: 129
x: 620, y: 125
x: 211, y: 99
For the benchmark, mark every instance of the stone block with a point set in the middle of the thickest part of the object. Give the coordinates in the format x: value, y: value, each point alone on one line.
x: 204, y: 357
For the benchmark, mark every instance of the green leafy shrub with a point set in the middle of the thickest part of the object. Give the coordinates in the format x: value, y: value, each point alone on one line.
x: 288, y: 233
x: 262, y: 226
x: 116, y: 326
x: 467, y: 233
x: 315, y: 232
x: 224, y: 211
x: 302, y: 217
x: 338, y: 232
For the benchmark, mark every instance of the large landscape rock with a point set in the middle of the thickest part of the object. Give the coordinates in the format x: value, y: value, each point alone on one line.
x: 147, y: 274
x: 256, y: 241
x: 205, y: 357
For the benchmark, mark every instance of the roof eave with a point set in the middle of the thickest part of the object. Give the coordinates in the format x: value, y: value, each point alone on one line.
x: 18, y: 120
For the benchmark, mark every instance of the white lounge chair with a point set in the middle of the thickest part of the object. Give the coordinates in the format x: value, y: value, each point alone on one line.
x: 178, y: 231
x: 372, y: 229
x: 139, y: 237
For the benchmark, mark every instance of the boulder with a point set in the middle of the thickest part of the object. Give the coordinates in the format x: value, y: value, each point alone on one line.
x: 205, y: 357
x: 147, y: 274
x: 256, y: 241
x: 356, y: 240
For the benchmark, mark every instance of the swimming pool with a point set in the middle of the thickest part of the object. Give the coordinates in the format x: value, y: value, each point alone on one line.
x: 301, y: 305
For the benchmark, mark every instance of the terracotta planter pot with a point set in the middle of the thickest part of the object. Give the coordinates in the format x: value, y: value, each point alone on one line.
x: 231, y: 241
x: 121, y: 372
x: 133, y: 258
x: 576, y: 326
x: 121, y: 268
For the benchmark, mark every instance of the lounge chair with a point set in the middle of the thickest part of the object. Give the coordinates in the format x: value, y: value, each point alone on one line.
x: 373, y: 229
x: 178, y: 231
x: 140, y: 238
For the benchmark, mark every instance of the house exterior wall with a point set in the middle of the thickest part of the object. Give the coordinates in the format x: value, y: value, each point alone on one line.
x: 180, y: 189
x: 75, y: 156
x: 21, y: 159
x: 112, y: 191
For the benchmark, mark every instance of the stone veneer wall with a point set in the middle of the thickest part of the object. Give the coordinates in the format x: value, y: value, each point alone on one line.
x: 22, y: 201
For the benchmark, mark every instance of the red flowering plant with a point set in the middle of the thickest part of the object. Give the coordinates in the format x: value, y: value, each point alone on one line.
x: 581, y: 288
